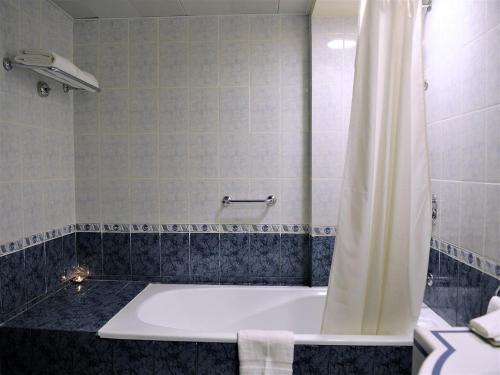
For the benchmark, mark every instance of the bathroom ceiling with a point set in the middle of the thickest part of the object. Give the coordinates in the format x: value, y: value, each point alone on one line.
x: 329, y: 8
x: 162, y: 8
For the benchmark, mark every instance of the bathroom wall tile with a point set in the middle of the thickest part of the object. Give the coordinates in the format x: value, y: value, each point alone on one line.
x: 263, y: 188
x: 203, y: 64
x: 13, y: 291
x: 86, y: 57
x: 204, y: 255
x: 265, y: 26
x: 472, y: 216
x: 174, y: 29
x: 204, y: 28
x: 294, y: 61
x: 392, y: 360
x: 115, y: 205
x: 144, y: 201
x: 143, y: 30
x: 295, y: 109
x: 69, y: 251
x: 430, y: 296
x: 114, y: 30
x: 12, y: 214
x: 311, y: 359
x: 145, y: 254
x: 234, y: 109
x: 89, y: 251
x: 265, y: 109
x: 85, y: 112
x: 234, y: 159
x: 204, y: 200
x: 321, y: 259
x: 174, y: 64
x: 492, y: 125
x: 114, y: 65
x: 173, y: 155
x: 217, y: 358
x: 325, y: 200
x: 234, y: 27
x: 469, y: 294
x: 86, y: 31
x: 32, y: 148
x: 49, y: 351
x: 492, y: 223
x: 472, y: 74
x: 203, y: 155
x: 174, y: 110
x: 54, y: 264
x: 87, y: 156
x: 35, y: 271
x: 296, y: 204
x: 264, y: 63
x: 174, y: 201
x: 91, y: 352
x: 143, y: 65
x: 134, y: 356
x: 473, y: 148
x: 143, y: 110
x: 143, y: 156
x: 234, y: 63
x: 295, y: 152
x: 204, y: 110
x: 264, y: 155
x: 235, y: 214
x: 175, y: 358
x: 447, y: 289
x: 114, y: 156
x: 234, y: 254
x: 10, y: 152
x: 116, y: 254
x: 351, y: 359
x: 449, y: 224
x: 264, y: 254
x: 52, y: 153
x: 492, y: 68
x: 87, y: 201
x: 295, y: 256
x: 174, y: 254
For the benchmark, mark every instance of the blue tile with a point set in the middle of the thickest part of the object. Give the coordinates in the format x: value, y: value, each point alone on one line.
x: 321, y: 259
x: 447, y: 289
x: 488, y: 287
x: 183, y: 279
x: 264, y: 254
x: 174, y: 254
x: 54, y: 264
x: 266, y: 280
x: 15, y: 351
x: 295, y: 256
x: 204, y: 250
x: 294, y: 281
x: 89, y: 251
x: 234, y: 250
x: 395, y: 360
x: 175, y: 358
x: 35, y: 271
x: 69, y: 251
x: 311, y: 359
x: 133, y: 357
x: 12, y: 282
x: 351, y: 360
x: 91, y: 354
x: 469, y: 294
x: 51, y: 352
x: 116, y: 254
x: 145, y: 254
x: 217, y: 359
x: 430, y: 296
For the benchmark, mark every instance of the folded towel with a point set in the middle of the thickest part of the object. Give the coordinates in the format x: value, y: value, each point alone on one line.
x: 493, y: 305
x: 487, y: 326
x: 44, y: 58
x: 265, y: 352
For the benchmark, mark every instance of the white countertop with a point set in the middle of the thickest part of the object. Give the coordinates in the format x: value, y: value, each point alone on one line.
x: 456, y: 351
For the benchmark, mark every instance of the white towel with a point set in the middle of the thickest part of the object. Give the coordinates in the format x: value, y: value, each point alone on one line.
x: 265, y: 352
x: 488, y: 326
x: 493, y: 305
x: 44, y: 58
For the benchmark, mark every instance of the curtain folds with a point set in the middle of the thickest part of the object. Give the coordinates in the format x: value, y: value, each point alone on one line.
x: 384, y: 226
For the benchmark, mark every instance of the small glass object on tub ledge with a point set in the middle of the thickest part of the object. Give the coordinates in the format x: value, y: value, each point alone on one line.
x: 76, y: 274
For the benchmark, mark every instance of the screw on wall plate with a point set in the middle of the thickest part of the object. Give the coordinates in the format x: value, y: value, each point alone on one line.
x: 43, y: 89
x: 426, y: 85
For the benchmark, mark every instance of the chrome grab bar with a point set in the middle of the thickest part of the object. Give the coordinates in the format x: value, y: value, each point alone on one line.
x: 269, y: 201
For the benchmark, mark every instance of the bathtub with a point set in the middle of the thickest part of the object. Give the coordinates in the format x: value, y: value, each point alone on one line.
x: 214, y: 313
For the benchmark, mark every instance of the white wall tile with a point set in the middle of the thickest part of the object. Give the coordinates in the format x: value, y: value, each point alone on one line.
x: 11, y: 222
x: 143, y: 156
x: 295, y: 109
x: 234, y: 63
x: 235, y: 27
x: 174, y: 29
x: 33, y: 208
x: 295, y: 155
x: 296, y: 204
x: 88, y: 209
x: 143, y: 30
x: 234, y: 109
x: 236, y: 189
x: 115, y: 203
x: 114, y: 156
x: 11, y: 155
x: 87, y: 156
x: 264, y: 27
x: 204, y: 109
x: 492, y: 222
x: 174, y: 110
x: 144, y: 200
x: 264, y: 63
x: 174, y: 159
x: 113, y: 67
x: 265, y: 109
x: 261, y: 189
x: 86, y: 31
x: 492, y: 124
x: 203, y: 64
x: 472, y: 216
x: 143, y: 65
x: 234, y: 155
x: 450, y: 212
x: 115, y: 30
x: 143, y: 110
x: 114, y: 111
x: 203, y: 155
x: 174, y: 64
x: 204, y: 28
x: 204, y: 201
x: 174, y: 204
x: 264, y: 155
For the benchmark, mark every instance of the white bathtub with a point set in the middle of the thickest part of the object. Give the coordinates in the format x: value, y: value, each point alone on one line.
x: 207, y: 313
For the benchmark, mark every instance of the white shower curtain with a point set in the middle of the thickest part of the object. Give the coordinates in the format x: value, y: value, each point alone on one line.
x: 379, y: 269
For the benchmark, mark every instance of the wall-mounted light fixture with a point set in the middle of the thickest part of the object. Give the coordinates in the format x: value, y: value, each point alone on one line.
x: 341, y: 43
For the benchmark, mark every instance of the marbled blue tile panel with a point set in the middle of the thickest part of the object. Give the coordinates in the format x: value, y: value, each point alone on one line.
x: 183, y: 279
x: 175, y: 254
x: 295, y: 256
x: 351, y: 360
x: 116, y: 254
x: 12, y: 282
x: 321, y: 259
x: 133, y: 357
x: 392, y: 360
x: 446, y: 287
x: 175, y: 358
x: 488, y: 287
x: 217, y: 359
x: 265, y: 280
x: 264, y: 255
x: 469, y: 294
x: 69, y: 251
x: 91, y: 354
x: 35, y: 271
x: 15, y: 351
x: 145, y: 254
x: 89, y: 251
x: 234, y: 252
x: 52, y: 352
x: 311, y: 359
x: 204, y: 249
x: 54, y: 263
x: 430, y: 296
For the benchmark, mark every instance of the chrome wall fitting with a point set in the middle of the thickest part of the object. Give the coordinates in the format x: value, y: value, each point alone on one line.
x: 269, y: 201
x: 43, y: 89
x: 426, y: 85
x: 434, y: 209
x: 7, y: 64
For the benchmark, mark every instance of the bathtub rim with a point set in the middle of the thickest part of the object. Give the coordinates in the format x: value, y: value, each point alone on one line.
x: 118, y: 327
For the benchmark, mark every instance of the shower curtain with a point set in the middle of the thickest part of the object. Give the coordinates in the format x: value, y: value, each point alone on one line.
x: 384, y: 226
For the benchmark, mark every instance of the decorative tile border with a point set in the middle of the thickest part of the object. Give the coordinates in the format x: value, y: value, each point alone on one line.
x: 234, y: 228
x: 265, y: 228
x: 145, y: 228
x: 295, y: 228
x: 467, y: 257
x: 174, y: 228
x: 116, y: 228
x: 204, y: 228
x: 88, y: 227
x: 323, y: 231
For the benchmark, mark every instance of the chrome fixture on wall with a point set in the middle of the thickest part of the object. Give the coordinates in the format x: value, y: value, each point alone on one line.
x: 269, y: 201
x: 434, y: 209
